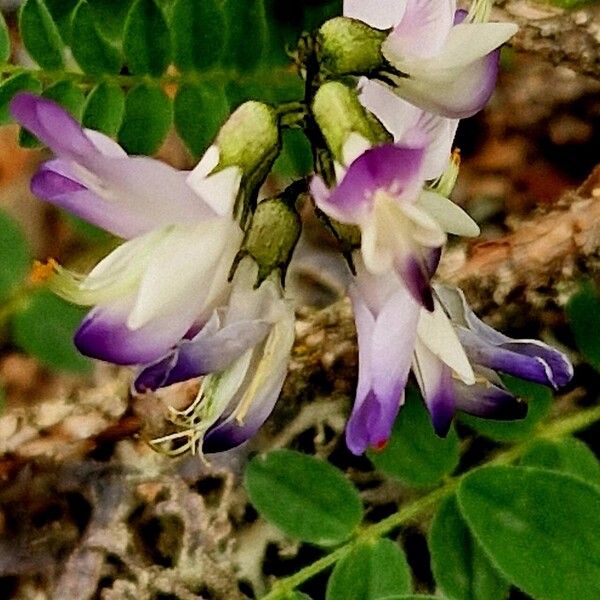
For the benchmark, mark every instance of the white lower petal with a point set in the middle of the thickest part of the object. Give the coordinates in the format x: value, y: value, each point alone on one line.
x: 382, y: 14
x: 449, y: 215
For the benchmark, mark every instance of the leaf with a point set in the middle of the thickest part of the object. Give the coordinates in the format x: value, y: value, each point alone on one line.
x: 65, y: 93
x: 246, y: 34
x: 295, y: 159
x: 539, y: 401
x: 4, y: 41
x: 147, y: 119
x: 567, y: 456
x: 461, y: 569
x: 45, y: 329
x: 110, y: 16
x: 62, y: 13
x: 199, y: 112
x: 540, y: 528
x: 40, y: 35
x: 371, y: 571
x: 104, y: 108
x: 415, y: 454
x: 198, y: 30
x: 21, y: 82
x: 14, y: 255
x: 305, y: 497
x: 583, y: 313
x: 93, y: 53
x: 146, y: 39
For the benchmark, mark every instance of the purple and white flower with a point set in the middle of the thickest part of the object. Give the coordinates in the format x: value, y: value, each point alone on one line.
x: 402, y: 225
x: 245, y: 349
x: 182, y: 237
x: 489, y: 352
x: 454, y: 356
x: 448, y: 62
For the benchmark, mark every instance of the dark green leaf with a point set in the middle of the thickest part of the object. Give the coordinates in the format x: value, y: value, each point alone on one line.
x: 147, y: 119
x: 539, y: 401
x: 412, y: 597
x: 246, y: 33
x: 461, y: 569
x: 199, y: 112
x: 21, y: 82
x: 4, y: 41
x: 45, y: 330
x: 146, y: 40
x: 295, y: 159
x: 62, y: 13
x: 65, y: 93
x: 540, y: 528
x: 104, y: 108
x: 110, y: 16
x: 568, y: 456
x: 94, y: 53
x: 415, y: 454
x: 198, y: 30
x: 14, y: 255
x: 583, y: 312
x: 40, y: 35
x: 305, y: 497
x: 371, y: 571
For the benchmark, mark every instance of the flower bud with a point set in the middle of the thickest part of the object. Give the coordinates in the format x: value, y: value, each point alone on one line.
x: 272, y: 236
x: 250, y: 138
x: 339, y: 114
x: 350, y: 47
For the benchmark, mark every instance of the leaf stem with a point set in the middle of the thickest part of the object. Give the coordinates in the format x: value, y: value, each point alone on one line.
x: 554, y: 430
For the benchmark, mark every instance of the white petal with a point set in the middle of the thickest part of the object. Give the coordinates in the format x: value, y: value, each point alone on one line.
x: 220, y: 190
x: 449, y: 215
x: 207, y: 164
x: 106, y: 145
x: 377, y: 254
x: 436, y: 331
x: 182, y: 270
x: 382, y: 14
x: 355, y: 145
x: 425, y: 230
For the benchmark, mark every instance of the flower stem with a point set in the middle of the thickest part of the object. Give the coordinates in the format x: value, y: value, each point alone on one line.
x: 552, y: 431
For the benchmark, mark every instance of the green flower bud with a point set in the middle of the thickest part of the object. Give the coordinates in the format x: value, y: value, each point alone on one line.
x: 350, y: 47
x: 250, y: 138
x: 339, y: 113
x: 272, y: 236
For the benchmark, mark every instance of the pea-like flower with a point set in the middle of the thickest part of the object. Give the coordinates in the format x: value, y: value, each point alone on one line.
x: 454, y: 356
x: 180, y: 230
x: 245, y: 349
x: 442, y: 60
x: 402, y: 225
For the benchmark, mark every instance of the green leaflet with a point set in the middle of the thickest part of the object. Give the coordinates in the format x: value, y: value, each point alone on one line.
x: 305, y: 497
x: 148, y: 114
x: 40, y: 35
x: 146, y: 39
x: 104, y: 108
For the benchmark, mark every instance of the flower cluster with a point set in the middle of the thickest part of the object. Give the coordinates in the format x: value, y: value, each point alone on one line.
x: 195, y: 290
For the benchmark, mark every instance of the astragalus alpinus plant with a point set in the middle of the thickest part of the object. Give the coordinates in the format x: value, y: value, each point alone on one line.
x: 197, y: 288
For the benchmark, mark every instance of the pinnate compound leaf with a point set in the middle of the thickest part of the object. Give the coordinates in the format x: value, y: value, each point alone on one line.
x: 539, y: 401
x: 198, y: 31
x: 567, y: 456
x: 246, y: 37
x: 14, y: 255
x: 4, y: 41
x: 461, y: 569
x: 40, y: 35
x: 199, y: 112
x: 371, y: 571
x: 148, y: 114
x: 68, y: 95
x: 305, y: 497
x: 20, y: 82
x: 104, y: 108
x: 583, y: 313
x: 45, y: 330
x: 146, y: 39
x: 540, y: 528
x: 92, y: 51
x: 414, y: 453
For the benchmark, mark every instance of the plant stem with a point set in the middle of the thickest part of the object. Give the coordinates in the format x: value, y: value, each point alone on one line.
x: 552, y: 431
